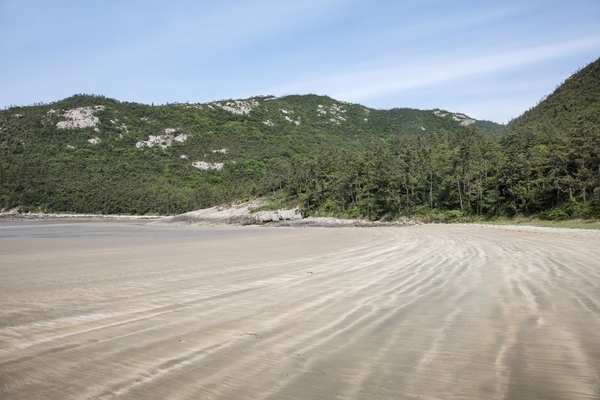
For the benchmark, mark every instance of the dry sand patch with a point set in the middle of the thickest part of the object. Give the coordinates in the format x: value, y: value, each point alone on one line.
x: 424, y: 311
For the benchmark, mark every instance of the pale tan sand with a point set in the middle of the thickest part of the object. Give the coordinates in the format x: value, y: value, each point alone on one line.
x: 381, y: 313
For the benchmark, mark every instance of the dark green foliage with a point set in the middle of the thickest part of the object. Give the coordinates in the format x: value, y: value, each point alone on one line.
x: 406, y: 175
x: 327, y: 156
x: 43, y: 167
x: 546, y: 163
x: 553, y: 151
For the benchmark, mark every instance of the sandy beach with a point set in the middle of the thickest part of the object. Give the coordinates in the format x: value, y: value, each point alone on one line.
x: 106, y: 310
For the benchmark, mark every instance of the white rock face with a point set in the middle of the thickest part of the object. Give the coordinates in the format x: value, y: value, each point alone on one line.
x: 206, y: 166
x: 222, y: 151
x: 183, y: 156
x: 464, y: 120
x: 238, y: 106
x: 268, y: 122
x: 287, y: 114
x: 293, y: 121
x: 82, y: 117
x: 163, y: 141
x: 335, y: 110
x: 236, y: 214
x: 94, y: 140
x: 121, y: 126
x: 280, y: 215
x: 181, y: 138
x: 267, y: 216
x: 290, y: 215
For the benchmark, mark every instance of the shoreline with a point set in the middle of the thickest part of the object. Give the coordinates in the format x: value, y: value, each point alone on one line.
x: 15, y: 216
x: 313, y: 222
x: 125, y: 309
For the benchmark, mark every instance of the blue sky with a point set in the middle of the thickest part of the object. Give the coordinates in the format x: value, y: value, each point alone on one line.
x: 489, y: 59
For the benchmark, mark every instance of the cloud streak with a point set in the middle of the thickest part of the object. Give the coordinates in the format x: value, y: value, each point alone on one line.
x: 362, y: 85
x: 384, y: 54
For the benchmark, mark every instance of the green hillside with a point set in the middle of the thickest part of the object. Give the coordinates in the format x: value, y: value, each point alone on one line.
x: 94, y: 154
x: 545, y: 164
x: 97, y: 155
x: 553, y: 151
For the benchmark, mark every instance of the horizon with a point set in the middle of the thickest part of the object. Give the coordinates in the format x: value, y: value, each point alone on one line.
x: 491, y: 62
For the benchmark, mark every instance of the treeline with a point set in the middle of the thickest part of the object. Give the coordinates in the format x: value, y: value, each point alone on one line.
x: 448, y: 175
x: 44, y: 168
x: 545, y: 164
x: 327, y: 156
x: 118, y: 181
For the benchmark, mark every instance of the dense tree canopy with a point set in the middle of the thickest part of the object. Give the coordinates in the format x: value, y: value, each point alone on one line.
x: 546, y: 164
x: 324, y: 155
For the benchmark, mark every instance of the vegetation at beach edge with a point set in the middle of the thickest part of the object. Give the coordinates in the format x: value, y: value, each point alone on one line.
x: 325, y: 156
x: 545, y: 167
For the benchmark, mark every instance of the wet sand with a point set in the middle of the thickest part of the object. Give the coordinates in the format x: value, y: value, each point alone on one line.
x: 118, y: 310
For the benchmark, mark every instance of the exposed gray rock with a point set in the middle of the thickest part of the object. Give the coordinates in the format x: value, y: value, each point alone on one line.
x: 163, y: 141
x: 82, y: 117
x: 238, y: 106
x: 280, y: 215
x: 240, y: 214
x: 290, y: 215
x: 232, y: 215
x: 206, y: 165
x: 267, y: 216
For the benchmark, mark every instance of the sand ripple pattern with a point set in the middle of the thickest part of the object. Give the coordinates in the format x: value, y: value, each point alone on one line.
x: 430, y: 312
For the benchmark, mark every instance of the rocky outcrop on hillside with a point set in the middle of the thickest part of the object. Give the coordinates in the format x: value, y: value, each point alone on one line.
x: 82, y: 117
x: 163, y: 141
x: 239, y: 107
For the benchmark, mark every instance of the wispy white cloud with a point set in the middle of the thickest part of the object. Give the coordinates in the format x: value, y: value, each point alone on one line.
x: 226, y: 27
x: 362, y: 85
x: 425, y: 53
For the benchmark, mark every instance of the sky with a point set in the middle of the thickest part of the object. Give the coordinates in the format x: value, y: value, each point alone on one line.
x: 491, y: 60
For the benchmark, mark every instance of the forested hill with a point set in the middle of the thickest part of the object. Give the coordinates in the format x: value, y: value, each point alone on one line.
x: 546, y: 164
x: 95, y: 154
x: 553, y: 150
x: 574, y: 102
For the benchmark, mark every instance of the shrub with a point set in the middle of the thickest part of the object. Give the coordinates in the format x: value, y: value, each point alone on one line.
x: 454, y: 216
